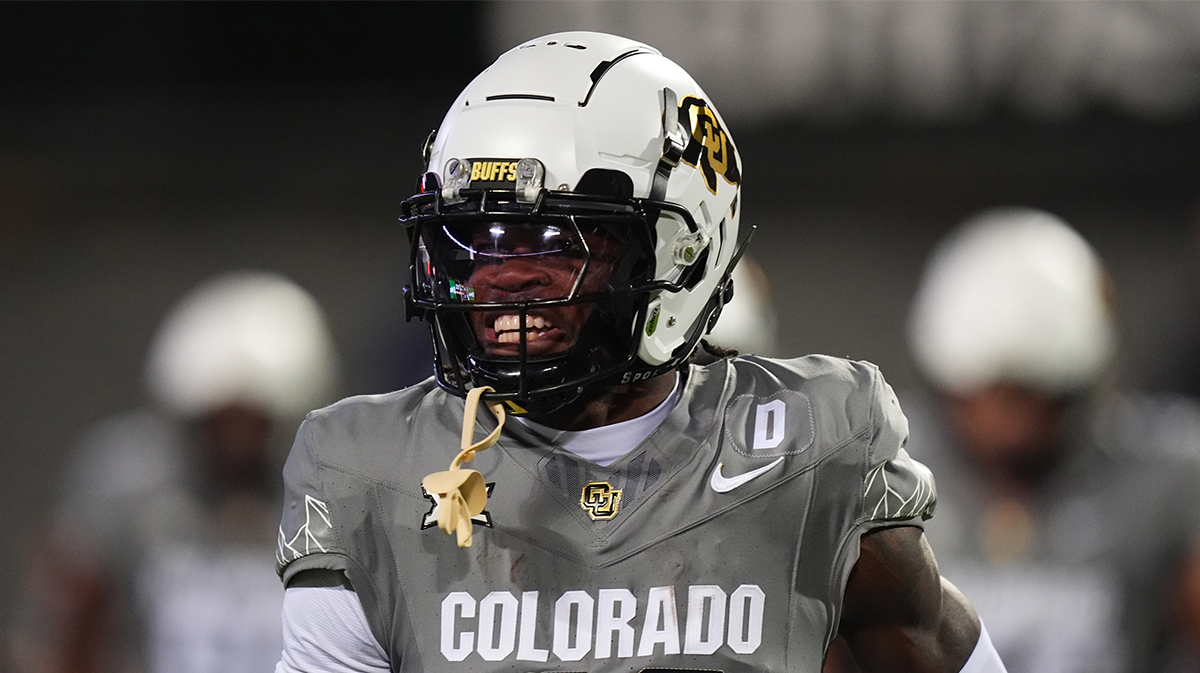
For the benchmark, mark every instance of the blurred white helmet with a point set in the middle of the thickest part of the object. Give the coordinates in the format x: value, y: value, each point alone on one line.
x: 248, y: 337
x: 1015, y: 296
x: 566, y: 137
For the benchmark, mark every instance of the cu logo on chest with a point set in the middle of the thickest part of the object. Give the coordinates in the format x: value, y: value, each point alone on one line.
x: 600, y: 500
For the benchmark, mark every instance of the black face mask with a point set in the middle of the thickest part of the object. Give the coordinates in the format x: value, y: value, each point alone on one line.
x: 569, y: 270
x: 576, y: 269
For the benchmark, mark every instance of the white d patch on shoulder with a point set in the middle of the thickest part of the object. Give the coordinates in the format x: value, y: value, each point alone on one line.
x: 779, y: 424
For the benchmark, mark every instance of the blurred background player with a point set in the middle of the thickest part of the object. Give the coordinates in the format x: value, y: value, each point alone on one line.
x: 158, y: 554
x: 1068, y: 512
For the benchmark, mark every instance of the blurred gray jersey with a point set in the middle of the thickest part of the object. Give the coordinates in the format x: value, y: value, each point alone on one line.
x: 721, y: 543
x: 184, y: 566
x: 1079, y: 578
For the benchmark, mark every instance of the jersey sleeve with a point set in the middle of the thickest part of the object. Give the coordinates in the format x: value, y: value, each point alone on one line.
x: 896, y: 489
x: 307, y: 535
x: 863, y: 479
x: 325, y: 629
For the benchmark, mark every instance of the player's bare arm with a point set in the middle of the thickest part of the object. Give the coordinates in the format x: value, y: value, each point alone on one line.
x: 899, y: 614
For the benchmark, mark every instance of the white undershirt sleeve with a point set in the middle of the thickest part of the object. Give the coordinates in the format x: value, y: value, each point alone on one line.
x: 325, y: 630
x: 984, y: 659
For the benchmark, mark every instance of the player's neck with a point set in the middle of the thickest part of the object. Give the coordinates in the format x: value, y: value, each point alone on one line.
x: 610, y: 404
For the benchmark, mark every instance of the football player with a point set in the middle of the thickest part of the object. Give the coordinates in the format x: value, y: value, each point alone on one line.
x: 150, y: 558
x: 572, y: 240
x: 1046, y: 466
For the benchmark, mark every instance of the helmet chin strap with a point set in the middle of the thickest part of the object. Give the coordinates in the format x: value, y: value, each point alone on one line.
x: 462, y: 494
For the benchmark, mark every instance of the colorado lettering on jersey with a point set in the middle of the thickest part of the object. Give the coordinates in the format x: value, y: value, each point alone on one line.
x: 493, y: 173
x: 602, y: 624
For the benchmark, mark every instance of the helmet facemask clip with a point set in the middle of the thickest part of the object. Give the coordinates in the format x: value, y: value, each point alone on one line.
x: 674, y: 144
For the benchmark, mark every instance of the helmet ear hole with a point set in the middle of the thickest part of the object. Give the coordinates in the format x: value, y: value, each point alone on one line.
x: 695, y: 273
x: 605, y: 182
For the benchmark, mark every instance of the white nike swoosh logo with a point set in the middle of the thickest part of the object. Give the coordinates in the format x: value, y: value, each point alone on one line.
x: 722, y: 484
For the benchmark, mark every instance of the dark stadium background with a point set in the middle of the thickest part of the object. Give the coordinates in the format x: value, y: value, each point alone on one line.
x: 146, y: 146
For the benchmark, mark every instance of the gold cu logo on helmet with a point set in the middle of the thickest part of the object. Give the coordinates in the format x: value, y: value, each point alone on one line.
x: 709, y: 149
x: 600, y: 500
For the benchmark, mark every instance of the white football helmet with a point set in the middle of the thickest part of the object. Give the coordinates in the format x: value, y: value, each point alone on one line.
x: 246, y: 337
x: 594, y: 153
x: 1014, y: 295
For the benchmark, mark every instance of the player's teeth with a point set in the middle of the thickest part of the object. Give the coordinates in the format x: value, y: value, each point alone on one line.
x: 507, y: 323
x: 515, y: 337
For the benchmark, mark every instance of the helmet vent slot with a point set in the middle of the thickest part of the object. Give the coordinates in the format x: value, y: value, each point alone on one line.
x: 605, y: 182
x: 604, y: 67
x: 520, y: 96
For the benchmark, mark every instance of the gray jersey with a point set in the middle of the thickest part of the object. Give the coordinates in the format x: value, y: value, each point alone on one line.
x: 1078, y: 577
x: 723, y: 542
x: 183, y: 567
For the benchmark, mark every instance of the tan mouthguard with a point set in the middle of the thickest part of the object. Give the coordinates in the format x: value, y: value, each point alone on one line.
x: 461, y: 493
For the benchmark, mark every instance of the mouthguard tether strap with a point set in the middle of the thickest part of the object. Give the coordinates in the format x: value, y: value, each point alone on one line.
x: 461, y: 493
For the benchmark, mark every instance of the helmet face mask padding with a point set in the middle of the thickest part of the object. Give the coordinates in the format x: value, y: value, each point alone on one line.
x: 539, y: 167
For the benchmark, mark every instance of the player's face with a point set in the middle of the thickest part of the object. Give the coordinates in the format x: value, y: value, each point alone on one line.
x: 236, y: 440
x: 1009, y: 424
x: 530, y: 262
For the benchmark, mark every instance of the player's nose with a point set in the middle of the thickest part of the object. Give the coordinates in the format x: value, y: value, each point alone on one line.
x: 519, y: 274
